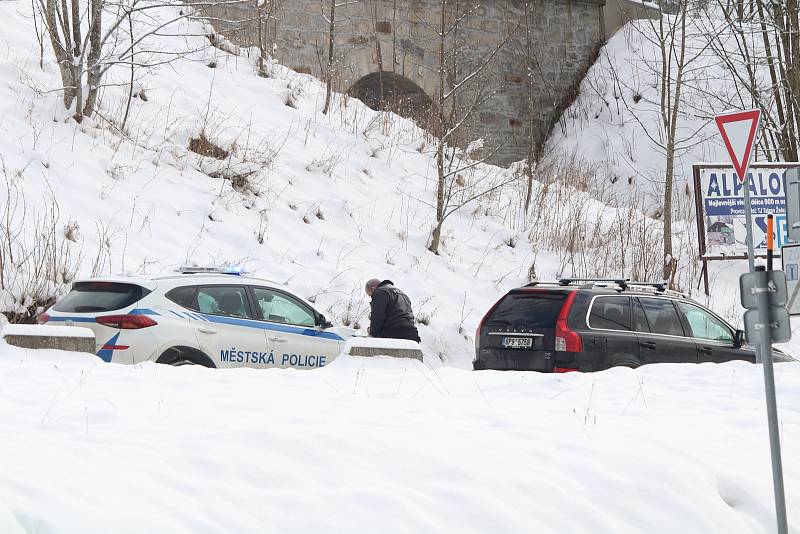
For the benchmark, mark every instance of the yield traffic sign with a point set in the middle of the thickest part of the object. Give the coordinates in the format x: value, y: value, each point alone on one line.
x: 739, y: 134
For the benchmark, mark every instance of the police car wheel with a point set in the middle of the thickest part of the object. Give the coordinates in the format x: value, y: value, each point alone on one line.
x: 178, y: 356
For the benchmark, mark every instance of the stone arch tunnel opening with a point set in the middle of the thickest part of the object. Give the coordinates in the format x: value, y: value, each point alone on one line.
x: 393, y: 92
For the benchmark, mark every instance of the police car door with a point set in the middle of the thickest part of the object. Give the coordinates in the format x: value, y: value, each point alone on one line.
x: 292, y: 334
x: 226, y: 328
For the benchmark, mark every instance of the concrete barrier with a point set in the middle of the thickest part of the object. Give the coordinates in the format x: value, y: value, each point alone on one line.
x: 395, y: 348
x: 29, y: 336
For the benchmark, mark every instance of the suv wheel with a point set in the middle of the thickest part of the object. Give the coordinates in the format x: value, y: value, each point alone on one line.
x: 623, y: 361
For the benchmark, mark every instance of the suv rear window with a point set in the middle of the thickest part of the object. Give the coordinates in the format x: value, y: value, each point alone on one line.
x: 89, y: 297
x: 527, y: 310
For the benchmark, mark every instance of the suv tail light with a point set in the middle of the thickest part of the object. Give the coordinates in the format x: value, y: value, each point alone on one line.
x: 567, y: 340
x: 126, y: 322
x: 483, y: 321
x: 43, y: 318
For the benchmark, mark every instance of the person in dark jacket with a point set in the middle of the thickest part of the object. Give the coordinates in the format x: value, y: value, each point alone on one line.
x: 391, y: 314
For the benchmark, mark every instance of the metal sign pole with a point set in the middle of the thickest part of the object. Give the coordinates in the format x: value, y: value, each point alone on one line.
x: 762, y: 291
x: 748, y: 214
x: 771, y: 321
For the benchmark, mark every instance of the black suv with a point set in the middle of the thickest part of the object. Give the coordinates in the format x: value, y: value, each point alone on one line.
x: 590, y: 325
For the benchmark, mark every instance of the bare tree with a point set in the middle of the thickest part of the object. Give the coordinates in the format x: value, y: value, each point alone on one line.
x: 535, y: 81
x: 265, y: 15
x: 670, y: 35
x: 757, y: 43
x: 77, y: 59
x: 462, y: 89
x: 88, y: 39
x: 378, y: 55
x: 672, y: 45
x: 330, y: 67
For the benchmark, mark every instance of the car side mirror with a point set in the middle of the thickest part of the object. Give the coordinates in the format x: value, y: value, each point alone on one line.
x: 323, y: 322
x: 738, y: 338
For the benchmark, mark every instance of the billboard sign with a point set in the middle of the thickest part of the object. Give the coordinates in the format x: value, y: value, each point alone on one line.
x: 722, y: 207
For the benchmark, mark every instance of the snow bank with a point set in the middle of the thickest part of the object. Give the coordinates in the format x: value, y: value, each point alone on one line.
x: 387, y: 445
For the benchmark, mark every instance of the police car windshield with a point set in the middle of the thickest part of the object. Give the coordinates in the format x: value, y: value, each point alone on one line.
x: 91, y: 297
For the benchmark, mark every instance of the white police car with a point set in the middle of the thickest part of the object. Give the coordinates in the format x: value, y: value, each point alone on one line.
x: 200, y: 316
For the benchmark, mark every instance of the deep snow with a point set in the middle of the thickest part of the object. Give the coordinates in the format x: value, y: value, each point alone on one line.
x: 386, y: 445
x: 365, y: 444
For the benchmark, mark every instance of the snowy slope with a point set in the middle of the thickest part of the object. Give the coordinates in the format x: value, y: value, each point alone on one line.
x: 319, y: 203
x: 614, y: 122
x: 613, y: 127
x: 326, y: 203
x: 383, y: 445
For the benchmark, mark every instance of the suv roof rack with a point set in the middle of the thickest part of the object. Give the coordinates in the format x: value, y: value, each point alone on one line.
x: 625, y: 283
x: 656, y: 287
x: 621, y: 282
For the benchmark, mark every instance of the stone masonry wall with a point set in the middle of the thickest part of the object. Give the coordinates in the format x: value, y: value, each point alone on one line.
x: 565, y: 37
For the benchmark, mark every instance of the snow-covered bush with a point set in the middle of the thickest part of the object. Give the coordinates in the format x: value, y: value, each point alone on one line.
x: 35, y: 266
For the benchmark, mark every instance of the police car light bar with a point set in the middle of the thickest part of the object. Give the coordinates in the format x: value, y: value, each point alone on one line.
x: 194, y: 269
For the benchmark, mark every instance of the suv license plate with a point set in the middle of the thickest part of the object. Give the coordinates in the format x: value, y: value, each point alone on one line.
x: 517, y: 342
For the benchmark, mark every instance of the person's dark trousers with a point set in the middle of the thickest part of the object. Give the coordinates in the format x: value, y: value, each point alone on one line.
x: 401, y: 333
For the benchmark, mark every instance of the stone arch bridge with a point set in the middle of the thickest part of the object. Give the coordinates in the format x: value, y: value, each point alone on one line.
x: 390, y: 48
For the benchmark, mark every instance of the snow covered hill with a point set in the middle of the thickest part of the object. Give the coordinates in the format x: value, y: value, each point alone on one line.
x: 213, y: 164
x: 614, y: 124
x: 613, y: 131
x: 319, y: 203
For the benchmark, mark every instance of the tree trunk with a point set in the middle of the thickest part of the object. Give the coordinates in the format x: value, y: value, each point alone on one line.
x: 93, y: 60
x: 436, y: 239
x: 793, y: 60
x: 528, y: 187
x: 262, y: 71
x: 441, y: 133
x: 77, y: 58
x: 133, y: 72
x: 670, y: 263
x: 440, y: 187
x: 62, y: 50
x: 670, y: 171
x: 329, y: 74
x: 379, y: 55
x: 532, y: 143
